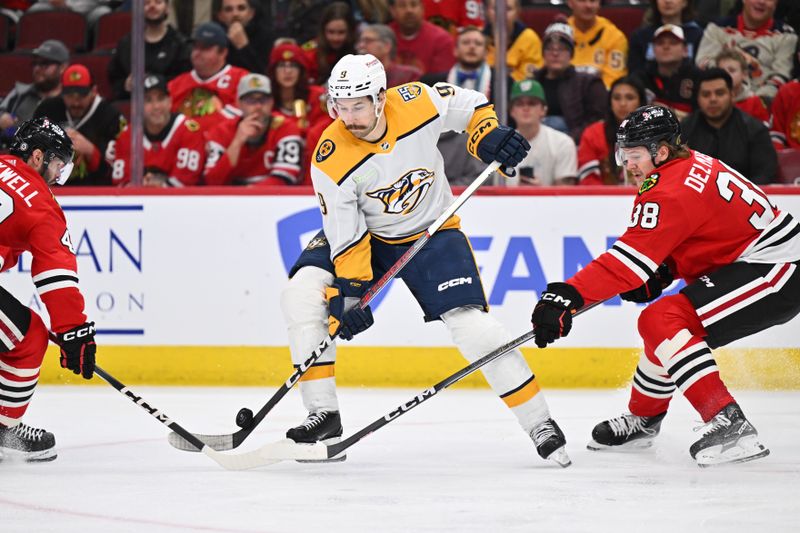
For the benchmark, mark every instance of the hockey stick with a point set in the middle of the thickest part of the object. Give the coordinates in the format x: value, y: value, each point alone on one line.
x: 248, y: 424
x: 229, y: 462
x: 287, y: 450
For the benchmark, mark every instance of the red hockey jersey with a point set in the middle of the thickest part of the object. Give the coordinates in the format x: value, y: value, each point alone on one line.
x: 31, y: 220
x: 276, y: 161
x: 179, y: 152
x: 196, y: 97
x: 454, y: 14
x: 697, y: 215
x: 785, y: 130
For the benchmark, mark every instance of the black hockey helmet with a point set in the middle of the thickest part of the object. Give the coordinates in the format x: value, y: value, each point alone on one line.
x: 48, y: 137
x: 648, y: 126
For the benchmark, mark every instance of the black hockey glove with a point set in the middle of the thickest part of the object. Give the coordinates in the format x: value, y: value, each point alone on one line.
x: 347, y: 319
x: 652, y: 288
x: 552, y: 316
x: 506, y: 146
x: 78, y: 349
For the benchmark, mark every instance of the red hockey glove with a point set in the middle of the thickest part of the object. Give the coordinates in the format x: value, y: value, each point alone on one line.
x: 552, y: 316
x: 78, y: 349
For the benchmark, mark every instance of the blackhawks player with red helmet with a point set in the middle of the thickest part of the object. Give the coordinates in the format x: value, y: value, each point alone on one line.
x: 698, y: 219
x: 41, y: 156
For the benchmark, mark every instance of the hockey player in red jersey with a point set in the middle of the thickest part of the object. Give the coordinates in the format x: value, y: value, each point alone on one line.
x: 698, y: 219
x: 32, y: 221
x: 174, y: 152
x: 261, y: 147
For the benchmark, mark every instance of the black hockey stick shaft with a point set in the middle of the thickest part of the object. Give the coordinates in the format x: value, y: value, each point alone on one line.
x: 231, y: 441
x: 335, y: 449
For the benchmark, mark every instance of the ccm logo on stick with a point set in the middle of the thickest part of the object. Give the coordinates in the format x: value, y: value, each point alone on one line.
x: 83, y: 332
x: 454, y: 283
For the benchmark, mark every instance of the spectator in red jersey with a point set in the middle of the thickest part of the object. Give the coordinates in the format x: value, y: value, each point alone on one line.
x: 208, y: 92
x: 90, y: 122
x: 524, y: 53
x: 670, y: 79
x: 380, y: 41
x: 166, y: 51
x: 260, y: 147
x: 249, y: 37
x: 722, y: 131
x: 336, y: 38
x: 293, y: 96
x: 785, y: 130
x: 174, y: 151
x: 453, y: 15
x: 733, y: 62
x: 420, y: 43
x: 596, y: 162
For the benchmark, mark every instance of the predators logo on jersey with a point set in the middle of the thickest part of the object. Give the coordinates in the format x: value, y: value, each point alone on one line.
x: 402, y: 196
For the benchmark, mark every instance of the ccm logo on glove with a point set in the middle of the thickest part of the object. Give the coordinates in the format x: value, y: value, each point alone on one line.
x: 79, y: 332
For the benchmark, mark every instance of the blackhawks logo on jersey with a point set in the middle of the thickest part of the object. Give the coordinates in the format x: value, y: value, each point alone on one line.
x: 405, y: 194
x: 649, y: 182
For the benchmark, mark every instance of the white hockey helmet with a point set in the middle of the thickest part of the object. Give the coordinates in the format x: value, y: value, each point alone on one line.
x: 354, y: 76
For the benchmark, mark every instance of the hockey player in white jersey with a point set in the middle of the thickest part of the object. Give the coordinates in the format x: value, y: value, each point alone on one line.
x: 380, y: 182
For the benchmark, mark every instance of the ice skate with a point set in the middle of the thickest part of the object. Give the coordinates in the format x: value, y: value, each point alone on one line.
x: 27, y: 443
x: 550, y: 442
x: 324, y: 427
x: 626, y: 432
x: 730, y: 438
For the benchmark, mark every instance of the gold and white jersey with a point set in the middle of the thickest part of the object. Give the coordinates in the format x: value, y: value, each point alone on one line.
x: 394, y: 188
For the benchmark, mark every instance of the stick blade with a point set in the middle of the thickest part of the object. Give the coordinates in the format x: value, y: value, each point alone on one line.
x: 220, y: 443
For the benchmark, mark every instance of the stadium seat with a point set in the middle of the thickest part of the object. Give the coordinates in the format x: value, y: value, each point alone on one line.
x: 111, y: 27
x: 538, y: 18
x: 67, y: 26
x: 15, y: 66
x: 789, y: 166
x: 5, y: 30
x: 97, y: 63
x: 626, y: 18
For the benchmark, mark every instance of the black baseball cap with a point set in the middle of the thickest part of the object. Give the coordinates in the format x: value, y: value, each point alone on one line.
x: 210, y: 34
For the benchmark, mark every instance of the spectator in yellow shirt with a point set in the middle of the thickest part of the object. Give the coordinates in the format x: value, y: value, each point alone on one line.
x: 600, y: 47
x: 524, y: 46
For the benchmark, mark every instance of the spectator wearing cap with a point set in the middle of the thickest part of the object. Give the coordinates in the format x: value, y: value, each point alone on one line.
x: 661, y: 12
x: 733, y: 62
x: 719, y: 129
x: 249, y: 36
x: 524, y: 51
x: 600, y: 47
x: 174, y: 148
x: 89, y: 120
x: 420, y: 43
x: 552, y: 159
x: 380, y: 41
x: 574, y: 99
x: 50, y: 60
x: 669, y: 79
x: 166, y: 50
x: 261, y: 147
x: 91, y: 9
x: 207, y: 93
x: 294, y: 96
x: 768, y: 44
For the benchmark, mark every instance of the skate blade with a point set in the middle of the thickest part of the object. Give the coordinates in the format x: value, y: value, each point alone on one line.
x: 43, y: 456
x: 327, y: 442
x: 632, y: 446
x: 746, y: 449
x: 560, y: 457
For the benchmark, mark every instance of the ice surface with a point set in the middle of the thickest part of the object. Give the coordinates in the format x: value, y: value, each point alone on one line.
x: 458, y: 462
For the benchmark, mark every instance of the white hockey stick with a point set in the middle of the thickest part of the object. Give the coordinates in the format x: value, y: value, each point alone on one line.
x: 233, y: 440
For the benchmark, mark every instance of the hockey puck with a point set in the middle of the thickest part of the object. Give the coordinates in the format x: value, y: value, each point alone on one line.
x: 244, y: 418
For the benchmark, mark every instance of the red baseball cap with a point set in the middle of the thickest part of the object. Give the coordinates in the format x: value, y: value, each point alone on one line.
x: 76, y: 79
x: 287, y: 52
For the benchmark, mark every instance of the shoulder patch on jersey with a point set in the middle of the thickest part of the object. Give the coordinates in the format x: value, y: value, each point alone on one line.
x: 649, y: 182
x: 309, y: 45
x: 325, y: 150
x: 317, y: 242
x: 191, y: 125
x: 276, y: 122
x: 409, y: 92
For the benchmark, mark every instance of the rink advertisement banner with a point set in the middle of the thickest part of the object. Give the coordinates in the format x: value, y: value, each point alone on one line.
x: 207, y: 271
